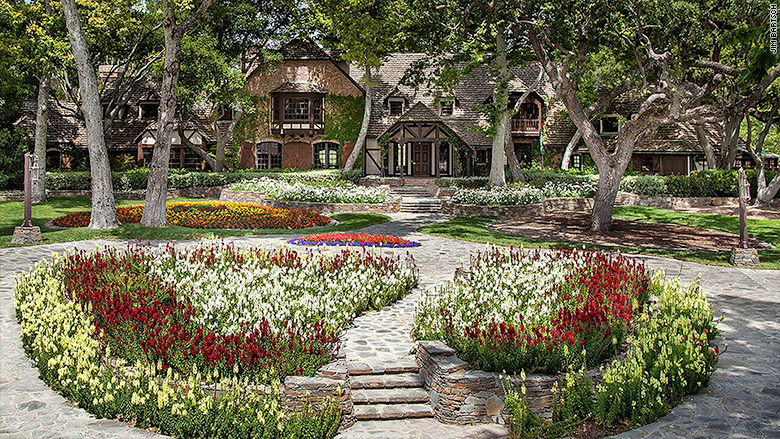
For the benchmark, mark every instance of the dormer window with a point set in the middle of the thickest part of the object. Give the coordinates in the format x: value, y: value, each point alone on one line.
x: 608, y: 125
x: 396, y: 106
x: 446, y: 106
x: 148, y: 110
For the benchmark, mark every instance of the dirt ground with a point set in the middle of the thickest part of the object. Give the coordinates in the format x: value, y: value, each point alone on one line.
x: 573, y: 227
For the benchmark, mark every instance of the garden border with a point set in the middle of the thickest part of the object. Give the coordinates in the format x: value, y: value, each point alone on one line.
x: 392, y: 205
x: 520, y: 211
x: 140, y: 194
x: 462, y: 395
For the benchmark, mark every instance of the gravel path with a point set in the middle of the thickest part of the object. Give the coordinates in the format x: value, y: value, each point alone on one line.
x: 742, y: 400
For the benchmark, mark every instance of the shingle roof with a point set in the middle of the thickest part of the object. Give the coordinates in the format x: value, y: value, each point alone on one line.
x: 471, y: 92
x: 304, y: 48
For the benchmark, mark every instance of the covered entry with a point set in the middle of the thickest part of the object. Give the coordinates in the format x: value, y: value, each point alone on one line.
x: 421, y: 145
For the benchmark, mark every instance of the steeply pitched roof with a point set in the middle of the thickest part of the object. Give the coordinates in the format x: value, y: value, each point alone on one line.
x: 471, y: 92
x: 304, y: 48
x: 419, y: 113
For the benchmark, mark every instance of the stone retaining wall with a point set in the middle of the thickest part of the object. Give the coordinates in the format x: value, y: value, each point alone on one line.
x: 393, y: 204
x: 329, y: 384
x: 548, y: 205
x: 629, y: 199
x: 461, y: 395
x: 188, y: 192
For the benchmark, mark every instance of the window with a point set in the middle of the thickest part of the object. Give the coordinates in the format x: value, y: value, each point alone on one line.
x: 192, y: 160
x: 269, y: 155
x: 482, y: 156
x: 647, y: 164
x: 316, y: 109
x: 146, y: 154
x: 326, y: 155
x: 296, y: 109
x: 529, y: 111
x: 576, y: 161
x: 444, y: 158
x: 447, y: 107
x: 608, y: 125
x: 175, y: 159
x: 149, y: 111
x: 396, y: 106
x: 53, y: 159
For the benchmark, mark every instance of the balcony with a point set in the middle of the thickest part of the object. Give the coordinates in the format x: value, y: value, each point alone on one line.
x: 525, y: 126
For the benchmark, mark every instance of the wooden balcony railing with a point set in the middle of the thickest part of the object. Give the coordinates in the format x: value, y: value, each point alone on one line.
x: 525, y: 126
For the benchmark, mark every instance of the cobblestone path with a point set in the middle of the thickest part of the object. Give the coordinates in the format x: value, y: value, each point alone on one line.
x: 742, y: 400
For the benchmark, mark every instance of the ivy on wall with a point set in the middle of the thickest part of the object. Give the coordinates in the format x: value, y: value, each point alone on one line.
x: 343, y: 116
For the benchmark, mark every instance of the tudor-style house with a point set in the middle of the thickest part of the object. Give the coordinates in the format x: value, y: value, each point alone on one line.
x: 417, y: 131
x: 295, y: 101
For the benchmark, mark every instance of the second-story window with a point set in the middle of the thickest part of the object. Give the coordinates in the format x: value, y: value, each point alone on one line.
x: 149, y: 111
x: 396, y: 106
x: 447, y: 106
x: 296, y: 109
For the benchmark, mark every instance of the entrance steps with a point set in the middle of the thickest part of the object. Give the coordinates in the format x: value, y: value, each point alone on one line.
x: 387, y: 393
x: 417, y: 199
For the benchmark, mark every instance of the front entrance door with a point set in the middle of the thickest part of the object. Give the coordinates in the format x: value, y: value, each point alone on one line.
x: 421, y: 159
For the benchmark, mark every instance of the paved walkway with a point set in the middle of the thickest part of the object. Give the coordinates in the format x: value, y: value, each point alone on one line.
x: 743, y: 399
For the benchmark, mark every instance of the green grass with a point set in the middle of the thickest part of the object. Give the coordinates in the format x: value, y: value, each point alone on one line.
x: 474, y: 228
x: 12, y: 213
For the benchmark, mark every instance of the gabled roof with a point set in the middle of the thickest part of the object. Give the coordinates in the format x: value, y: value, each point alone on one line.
x: 304, y: 48
x: 419, y: 113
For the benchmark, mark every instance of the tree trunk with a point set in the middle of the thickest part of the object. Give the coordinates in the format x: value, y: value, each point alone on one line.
x: 224, y: 138
x: 103, y: 207
x: 361, y: 140
x: 709, y: 152
x: 769, y: 192
x: 500, y: 104
x: 41, y: 128
x: 197, y: 149
x: 604, y: 202
x: 570, y: 150
x: 157, y: 188
x: 511, y: 158
x: 728, y: 152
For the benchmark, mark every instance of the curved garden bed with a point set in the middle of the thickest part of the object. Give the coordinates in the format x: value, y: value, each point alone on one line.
x: 556, y: 316
x: 354, y: 240
x: 213, y: 215
x: 148, y: 336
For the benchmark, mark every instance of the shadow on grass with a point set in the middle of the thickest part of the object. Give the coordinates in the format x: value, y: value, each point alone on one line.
x: 474, y: 228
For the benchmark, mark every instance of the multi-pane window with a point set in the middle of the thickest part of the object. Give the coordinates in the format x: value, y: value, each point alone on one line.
x: 269, y: 155
x: 296, y: 109
x: 444, y: 158
x: 482, y: 156
x: 192, y: 160
x: 326, y: 155
x: 396, y: 106
x: 576, y: 161
x: 175, y: 159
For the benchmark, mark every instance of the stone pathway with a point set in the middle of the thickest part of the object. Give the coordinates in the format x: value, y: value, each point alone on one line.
x: 742, y: 400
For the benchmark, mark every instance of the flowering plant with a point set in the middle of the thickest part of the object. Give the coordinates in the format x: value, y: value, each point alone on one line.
x: 536, y: 310
x: 213, y: 215
x: 297, y: 191
x: 354, y: 239
x: 496, y: 196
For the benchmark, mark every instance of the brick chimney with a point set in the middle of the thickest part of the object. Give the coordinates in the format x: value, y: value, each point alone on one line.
x: 108, y: 72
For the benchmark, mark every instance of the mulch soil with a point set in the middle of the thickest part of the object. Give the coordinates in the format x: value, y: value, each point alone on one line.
x: 573, y: 228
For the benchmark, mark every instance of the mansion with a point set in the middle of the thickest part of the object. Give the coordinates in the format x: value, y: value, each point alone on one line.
x: 309, y: 107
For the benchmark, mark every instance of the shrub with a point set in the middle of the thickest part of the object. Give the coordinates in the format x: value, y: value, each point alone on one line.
x: 647, y: 185
x: 463, y: 182
x: 320, y: 193
x: 497, y: 196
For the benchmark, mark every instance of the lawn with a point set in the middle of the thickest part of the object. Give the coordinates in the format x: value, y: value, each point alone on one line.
x: 12, y: 213
x: 473, y: 228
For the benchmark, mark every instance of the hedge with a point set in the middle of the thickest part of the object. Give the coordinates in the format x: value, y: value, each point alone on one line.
x: 137, y: 179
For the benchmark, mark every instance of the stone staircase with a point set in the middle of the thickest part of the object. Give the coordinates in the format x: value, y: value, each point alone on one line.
x: 417, y: 199
x: 380, y: 394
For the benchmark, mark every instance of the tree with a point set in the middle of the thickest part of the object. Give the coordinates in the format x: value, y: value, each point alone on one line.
x: 766, y: 116
x: 597, y: 51
x: 175, y: 23
x: 103, y: 214
x: 367, y: 31
x: 477, y: 35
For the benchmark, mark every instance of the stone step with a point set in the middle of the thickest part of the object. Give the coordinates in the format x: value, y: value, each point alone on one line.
x: 389, y: 381
x: 391, y: 411
x: 390, y: 396
x: 399, y: 366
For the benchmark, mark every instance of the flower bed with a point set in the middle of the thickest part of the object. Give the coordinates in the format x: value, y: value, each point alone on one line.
x: 497, y: 196
x: 536, y: 311
x: 213, y: 215
x: 354, y: 239
x: 297, y: 191
x: 143, y: 335
x: 669, y: 357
